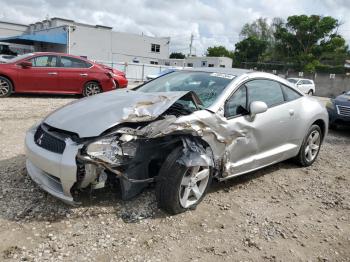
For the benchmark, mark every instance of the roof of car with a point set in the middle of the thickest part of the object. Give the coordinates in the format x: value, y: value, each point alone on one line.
x: 296, y: 78
x: 60, y: 54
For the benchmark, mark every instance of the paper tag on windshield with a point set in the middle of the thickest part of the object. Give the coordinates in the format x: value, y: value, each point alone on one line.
x: 222, y: 75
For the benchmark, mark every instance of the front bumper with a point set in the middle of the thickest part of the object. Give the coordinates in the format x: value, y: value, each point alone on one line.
x: 335, y: 118
x: 55, y: 173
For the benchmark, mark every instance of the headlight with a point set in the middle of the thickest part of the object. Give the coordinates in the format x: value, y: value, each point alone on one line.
x: 330, y: 104
x: 112, y: 150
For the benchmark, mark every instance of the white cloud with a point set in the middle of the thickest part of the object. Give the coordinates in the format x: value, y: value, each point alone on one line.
x: 212, y: 22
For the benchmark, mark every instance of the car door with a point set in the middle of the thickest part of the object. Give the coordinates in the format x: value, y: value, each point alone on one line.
x: 40, y: 77
x: 303, y: 86
x: 73, y: 74
x: 308, y: 86
x: 265, y: 138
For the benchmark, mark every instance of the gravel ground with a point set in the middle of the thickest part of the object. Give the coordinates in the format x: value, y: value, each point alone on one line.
x: 280, y: 213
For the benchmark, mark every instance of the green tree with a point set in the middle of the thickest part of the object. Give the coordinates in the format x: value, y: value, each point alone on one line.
x: 177, y: 55
x: 218, y: 51
x: 250, y: 49
x: 259, y: 29
x: 304, y: 40
x: 264, y: 30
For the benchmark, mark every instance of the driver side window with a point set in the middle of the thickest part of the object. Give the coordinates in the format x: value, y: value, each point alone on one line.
x: 237, y: 104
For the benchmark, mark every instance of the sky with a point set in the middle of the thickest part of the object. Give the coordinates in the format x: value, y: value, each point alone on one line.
x: 212, y: 22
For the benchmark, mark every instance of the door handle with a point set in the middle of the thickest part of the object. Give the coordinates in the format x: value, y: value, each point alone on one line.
x: 84, y: 74
x: 52, y: 73
x: 291, y: 112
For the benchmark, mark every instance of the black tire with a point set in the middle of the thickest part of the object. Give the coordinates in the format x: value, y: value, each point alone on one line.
x: 168, y: 186
x: 302, y: 158
x: 310, y: 93
x: 91, y: 88
x: 6, y: 87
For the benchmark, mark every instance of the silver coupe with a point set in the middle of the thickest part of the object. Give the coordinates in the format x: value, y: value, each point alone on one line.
x: 178, y: 132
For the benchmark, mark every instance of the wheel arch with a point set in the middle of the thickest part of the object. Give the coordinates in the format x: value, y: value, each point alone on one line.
x: 10, y: 79
x: 322, y: 124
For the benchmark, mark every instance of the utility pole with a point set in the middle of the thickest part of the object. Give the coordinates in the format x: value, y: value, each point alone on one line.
x: 191, y: 42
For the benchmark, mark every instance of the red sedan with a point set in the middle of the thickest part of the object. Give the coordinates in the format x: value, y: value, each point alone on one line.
x: 57, y: 73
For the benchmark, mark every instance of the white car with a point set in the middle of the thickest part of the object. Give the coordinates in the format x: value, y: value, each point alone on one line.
x: 307, y: 86
x: 5, y: 58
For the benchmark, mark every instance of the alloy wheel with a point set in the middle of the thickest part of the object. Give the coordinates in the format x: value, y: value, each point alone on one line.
x: 92, y: 89
x: 4, y: 87
x: 312, y: 145
x: 193, y: 185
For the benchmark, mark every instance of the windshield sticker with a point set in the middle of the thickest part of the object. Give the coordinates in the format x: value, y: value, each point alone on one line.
x: 223, y: 75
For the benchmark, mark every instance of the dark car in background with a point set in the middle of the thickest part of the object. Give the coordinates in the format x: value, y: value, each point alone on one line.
x: 57, y: 73
x: 339, y: 110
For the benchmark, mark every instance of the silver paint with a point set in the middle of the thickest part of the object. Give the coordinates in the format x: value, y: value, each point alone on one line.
x: 242, y: 144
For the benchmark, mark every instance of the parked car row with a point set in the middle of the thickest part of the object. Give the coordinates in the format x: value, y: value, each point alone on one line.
x: 57, y: 73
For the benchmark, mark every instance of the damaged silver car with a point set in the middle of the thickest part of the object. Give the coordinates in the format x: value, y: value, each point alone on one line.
x: 178, y: 132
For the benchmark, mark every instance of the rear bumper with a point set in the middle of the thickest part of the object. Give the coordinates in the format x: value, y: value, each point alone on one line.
x: 122, y: 81
x: 55, y: 173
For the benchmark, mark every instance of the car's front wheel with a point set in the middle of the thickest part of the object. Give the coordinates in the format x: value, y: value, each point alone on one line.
x: 310, y: 93
x: 5, y: 87
x: 311, y: 146
x: 91, y: 88
x: 179, y: 187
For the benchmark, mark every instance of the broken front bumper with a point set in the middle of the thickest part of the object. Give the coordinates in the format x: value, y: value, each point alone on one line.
x: 55, y: 173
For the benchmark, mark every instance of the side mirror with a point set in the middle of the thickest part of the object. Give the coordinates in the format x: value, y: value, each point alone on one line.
x: 257, y: 107
x: 26, y: 64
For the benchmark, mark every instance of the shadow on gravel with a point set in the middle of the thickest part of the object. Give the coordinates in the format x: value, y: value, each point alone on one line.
x: 244, y: 179
x: 342, y: 131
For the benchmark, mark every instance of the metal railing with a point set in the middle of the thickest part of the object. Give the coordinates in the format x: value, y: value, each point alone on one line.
x: 136, y: 71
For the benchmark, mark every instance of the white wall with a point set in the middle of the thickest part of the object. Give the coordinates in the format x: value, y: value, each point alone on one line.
x: 10, y: 29
x: 95, y: 43
x: 100, y: 43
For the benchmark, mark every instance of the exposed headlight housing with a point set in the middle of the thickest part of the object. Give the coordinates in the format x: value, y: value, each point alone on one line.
x: 112, y: 150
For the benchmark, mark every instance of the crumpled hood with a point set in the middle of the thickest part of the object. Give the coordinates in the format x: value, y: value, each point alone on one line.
x: 91, y: 116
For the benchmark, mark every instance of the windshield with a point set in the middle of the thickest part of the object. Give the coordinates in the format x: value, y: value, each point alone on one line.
x: 292, y: 80
x: 20, y: 57
x: 207, y: 86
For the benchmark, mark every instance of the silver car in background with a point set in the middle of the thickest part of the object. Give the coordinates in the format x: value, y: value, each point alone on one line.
x: 178, y: 131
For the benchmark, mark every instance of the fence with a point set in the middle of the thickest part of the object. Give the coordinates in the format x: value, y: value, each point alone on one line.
x: 328, y: 85
x: 135, y: 71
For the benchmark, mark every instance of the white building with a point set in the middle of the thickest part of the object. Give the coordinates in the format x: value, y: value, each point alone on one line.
x: 96, y: 42
x: 198, y: 62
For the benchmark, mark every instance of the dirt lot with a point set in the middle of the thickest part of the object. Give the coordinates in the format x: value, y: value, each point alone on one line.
x: 280, y: 213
